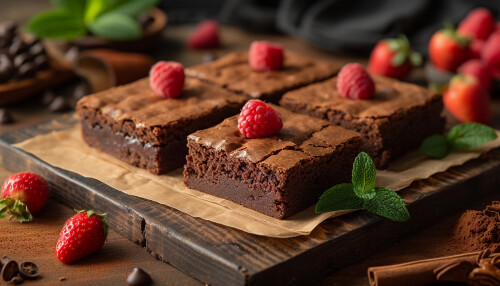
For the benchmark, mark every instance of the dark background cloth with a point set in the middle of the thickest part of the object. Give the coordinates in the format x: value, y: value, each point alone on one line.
x: 348, y: 26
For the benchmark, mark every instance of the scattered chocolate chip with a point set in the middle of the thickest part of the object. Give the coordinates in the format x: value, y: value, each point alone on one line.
x: 28, y: 270
x: 5, y: 118
x: 26, y: 70
x: 17, y: 47
x: 41, y: 62
x: 8, y: 28
x: 209, y: 57
x: 59, y: 104
x: 48, y: 97
x: 21, y: 59
x: 6, y: 68
x: 81, y: 90
x: 37, y: 49
x: 9, y: 270
x: 139, y: 277
x: 72, y: 54
x: 18, y: 279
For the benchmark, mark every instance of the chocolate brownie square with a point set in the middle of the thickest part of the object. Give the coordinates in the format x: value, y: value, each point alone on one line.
x: 135, y: 125
x: 234, y: 73
x: 278, y: 175
x: 396, y: 120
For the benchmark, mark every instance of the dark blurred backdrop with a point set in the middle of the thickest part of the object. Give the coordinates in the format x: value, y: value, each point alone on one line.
x: 352, y: 26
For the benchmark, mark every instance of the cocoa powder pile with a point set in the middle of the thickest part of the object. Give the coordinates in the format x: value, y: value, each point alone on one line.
x: 478, y: 230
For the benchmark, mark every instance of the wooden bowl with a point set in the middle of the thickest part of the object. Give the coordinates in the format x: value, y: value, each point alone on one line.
x: 150, y: 39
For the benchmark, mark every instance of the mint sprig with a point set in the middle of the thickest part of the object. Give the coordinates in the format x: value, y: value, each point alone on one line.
x: 463, y: 136
x: 71, y: 19
x: 362, y: 194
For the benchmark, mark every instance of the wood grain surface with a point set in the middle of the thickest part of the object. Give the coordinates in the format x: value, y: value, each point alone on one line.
x: 219, y: 255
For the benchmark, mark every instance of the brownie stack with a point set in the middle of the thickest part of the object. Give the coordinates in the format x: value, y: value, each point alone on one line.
x: 278, y: 175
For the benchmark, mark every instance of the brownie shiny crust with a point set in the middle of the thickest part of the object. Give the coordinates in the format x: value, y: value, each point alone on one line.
x: 234, y: 73
x: 133, y: 124
x: 278, y: 175
x: 395, y: 121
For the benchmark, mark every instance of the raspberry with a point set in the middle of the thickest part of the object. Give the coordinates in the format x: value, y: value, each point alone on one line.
x: 478, y: 69
x: 354, y: 82
x: 265, y: 56
x: 167, y: 79
x: 205, y: 36
x: 257, y: 119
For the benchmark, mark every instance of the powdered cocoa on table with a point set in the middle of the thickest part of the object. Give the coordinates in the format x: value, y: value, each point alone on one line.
x: 478, y: 230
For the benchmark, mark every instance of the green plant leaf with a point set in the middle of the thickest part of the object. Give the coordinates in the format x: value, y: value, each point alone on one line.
x: 16, y: 209
x: 116, y: 27
x: 470, y: 135
x: 363, y: 174
x: 131, y: 8
x: 338, y: 197
x: 57, y: 24
x: 388, y: 204
x: 76, y: 7
x: 435, y: 146
x: 93, y: 9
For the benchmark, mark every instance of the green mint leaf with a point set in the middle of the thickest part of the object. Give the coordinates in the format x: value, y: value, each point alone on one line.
x: 398, y: 59
x: 57, y: 24
x: 93, y: 9
x: 338, y: 197
x: 388, y: 204
x: 435, y: 146
x: 470, y: 135
x: 363, y: 174
x: 131, y: 8
x: 116, y: 27
x: 76, y: 7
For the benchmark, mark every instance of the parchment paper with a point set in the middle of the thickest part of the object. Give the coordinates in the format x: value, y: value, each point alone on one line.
x: 66, y: 149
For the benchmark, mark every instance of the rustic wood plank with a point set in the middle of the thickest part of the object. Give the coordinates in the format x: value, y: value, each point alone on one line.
x: 220, y: 255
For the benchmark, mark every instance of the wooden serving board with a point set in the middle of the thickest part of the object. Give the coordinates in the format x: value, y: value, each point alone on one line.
x: 219, y: 255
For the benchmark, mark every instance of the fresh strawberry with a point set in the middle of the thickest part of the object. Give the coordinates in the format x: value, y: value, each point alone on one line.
x: 23, y: 194
x: 476, y: 47
x: 448, y: 50
x: 478, y: 69
x: 491, y: 54
x: 354, y: 82
x: 82, y: 235
x: 257, y: 119
x: 167, y: 79
x: 478, y: 24
x: 265, y: 56
x: 467, y: 100
x: 205, y: 36
x: 393, y: 58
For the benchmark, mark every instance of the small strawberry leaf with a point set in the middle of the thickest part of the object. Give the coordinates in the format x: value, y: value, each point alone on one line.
x: 339, y: 197
x: 435, y: 146
x: 388, y: 204
x: 398, y: 59
x: 15, y: 209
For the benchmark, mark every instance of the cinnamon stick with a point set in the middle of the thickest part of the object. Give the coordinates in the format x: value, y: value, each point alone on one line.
x: 414, y: 273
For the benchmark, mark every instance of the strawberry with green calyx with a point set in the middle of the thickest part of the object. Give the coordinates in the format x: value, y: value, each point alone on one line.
x: 393, y: 58
x: 83, y: 234
x: 23, y: 194
x: 448, y: 49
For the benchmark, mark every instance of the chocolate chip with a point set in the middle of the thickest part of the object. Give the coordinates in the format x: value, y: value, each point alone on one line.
x: 9, y: 270
x: 209, y: 57
x: 17, y: 47
x: 21, y: 59
x: 18, y: 279
x: 81, y: 90
x: 41, y: 62
x: 28, y: 270
x: 26, y: 70
x: 139, y: 277
x: 8, y: 28
x: 6, y: 68
x: 5, y: 118
x: 37, y: 49
x: 48, y: 97
x: 59, y: 104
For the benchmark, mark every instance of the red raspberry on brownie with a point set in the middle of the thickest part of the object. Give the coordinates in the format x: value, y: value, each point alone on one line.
x: 257, y: 120
x: 205, y: 36
x: 354, y: 82
x: 167, y: 79
x: 265, y: 56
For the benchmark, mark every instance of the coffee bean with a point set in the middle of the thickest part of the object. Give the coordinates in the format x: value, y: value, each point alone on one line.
x: 8, y: 28
x: 17, y: 47
x: 26, y: 70
x: 37, y: 49
x: 81, y: 90
x: 139, y: 277
x: 21, y: 59
x: 32, y: 41
x: 59, y: 104
x: 28, y: 270
x: 18, y: 279
x: 41, y: 62
x: 5, y: 118
x: 9, y: 270
x: 48, y: 97
x: 6, y: 68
